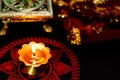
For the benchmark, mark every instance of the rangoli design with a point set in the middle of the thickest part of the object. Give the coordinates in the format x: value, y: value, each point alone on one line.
x: 64, y: 64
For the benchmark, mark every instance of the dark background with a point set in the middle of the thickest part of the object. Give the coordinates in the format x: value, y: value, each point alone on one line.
x: 98, y: 55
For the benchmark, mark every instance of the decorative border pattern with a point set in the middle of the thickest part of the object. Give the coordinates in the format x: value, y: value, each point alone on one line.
x: 27, y: 14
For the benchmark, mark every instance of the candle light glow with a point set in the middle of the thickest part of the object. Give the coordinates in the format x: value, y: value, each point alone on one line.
x: 34, y: 54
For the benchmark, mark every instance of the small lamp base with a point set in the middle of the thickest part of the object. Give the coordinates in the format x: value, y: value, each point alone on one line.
x: 33, y: 70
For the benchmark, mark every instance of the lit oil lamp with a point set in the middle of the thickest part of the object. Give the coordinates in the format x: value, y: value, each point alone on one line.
x: 34, y: 55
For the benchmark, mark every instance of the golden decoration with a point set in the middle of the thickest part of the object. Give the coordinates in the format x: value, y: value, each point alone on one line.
x: 47, y: 28
x: 3, y: 30
x: 74, y: 36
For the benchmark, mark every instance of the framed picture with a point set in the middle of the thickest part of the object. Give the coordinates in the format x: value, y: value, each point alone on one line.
x: 21, y: 10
